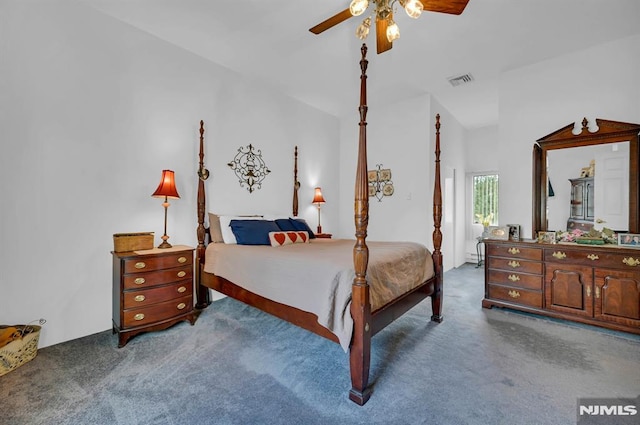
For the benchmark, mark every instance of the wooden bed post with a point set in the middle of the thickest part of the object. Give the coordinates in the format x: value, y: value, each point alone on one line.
x: 436, y: 297
x: 360, y: 351
x: 202, y: 292
x: 296, y: 183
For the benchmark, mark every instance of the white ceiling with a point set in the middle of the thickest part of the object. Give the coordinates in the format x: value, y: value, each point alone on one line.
x: 268, y: 40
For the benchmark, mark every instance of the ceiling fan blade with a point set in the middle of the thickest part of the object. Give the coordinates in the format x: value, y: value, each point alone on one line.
x: 454, y: 7
x: 332, y: 21
x: 382, y: 42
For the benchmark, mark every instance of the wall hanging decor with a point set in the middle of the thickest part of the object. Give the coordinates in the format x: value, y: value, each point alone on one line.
x: 380, y: 184
x: 249, y: 167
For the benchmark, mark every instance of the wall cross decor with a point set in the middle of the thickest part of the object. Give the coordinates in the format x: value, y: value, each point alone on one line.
x: 380, y: 184
x: 249, y: 167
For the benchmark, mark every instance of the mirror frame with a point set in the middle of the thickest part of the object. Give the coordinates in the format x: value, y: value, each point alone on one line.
x: 607, y: 132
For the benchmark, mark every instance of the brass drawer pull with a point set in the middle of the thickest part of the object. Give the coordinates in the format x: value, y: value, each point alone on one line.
x: 597, y: 292
x: 182, y: 260
x: 139, y: 280
x: 514, y: 294
x: 181, y: 306
x: 182, y: 289
x: 138, y: 316
x: 588, y: 291
x: 593, y: 257
x: 140, y: 298
x: 514, y: 277
x: 514, y: 264
x: 559, y: 255
x: 140, y: 265
x: 182, y: 273
x: 631, y: 261
x: 514, y: 251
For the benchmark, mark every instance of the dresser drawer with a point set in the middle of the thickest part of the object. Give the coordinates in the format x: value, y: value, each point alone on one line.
x: 514, y: 251
x: 521, y: 266
x: 161, y: 277
x: 611, y: 257
x: 143, y: 264
x: 146, y: 297
x: 515, y: 295
x: 157, y: 312
x: 517, y: 280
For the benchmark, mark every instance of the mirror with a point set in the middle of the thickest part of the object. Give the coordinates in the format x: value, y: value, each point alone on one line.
x: 561, y: 198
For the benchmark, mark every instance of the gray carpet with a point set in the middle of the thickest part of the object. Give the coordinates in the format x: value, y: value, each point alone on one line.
x: 240, y: 366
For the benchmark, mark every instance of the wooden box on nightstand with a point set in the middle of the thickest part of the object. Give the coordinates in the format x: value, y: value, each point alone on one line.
x: 152, y: 290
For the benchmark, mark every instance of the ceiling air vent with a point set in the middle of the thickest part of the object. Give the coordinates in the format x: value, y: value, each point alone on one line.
x: 461, y: 79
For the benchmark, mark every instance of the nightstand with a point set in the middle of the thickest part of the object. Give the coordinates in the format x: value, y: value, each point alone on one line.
x: 152, y: 290
x: 323, y: 235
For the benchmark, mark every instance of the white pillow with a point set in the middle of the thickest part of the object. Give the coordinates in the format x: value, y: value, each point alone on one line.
x: 227, y: 234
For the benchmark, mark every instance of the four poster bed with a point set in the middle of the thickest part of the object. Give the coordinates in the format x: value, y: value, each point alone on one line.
x: 348, y: 316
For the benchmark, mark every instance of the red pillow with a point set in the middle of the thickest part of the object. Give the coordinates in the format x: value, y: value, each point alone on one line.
x: 288, y: 238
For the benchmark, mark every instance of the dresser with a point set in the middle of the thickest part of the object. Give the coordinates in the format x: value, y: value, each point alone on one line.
x: 152, y: 290
x: 596, y: 285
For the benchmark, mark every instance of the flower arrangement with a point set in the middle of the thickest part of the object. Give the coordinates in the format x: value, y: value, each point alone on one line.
x: 485, y: 220
x: 604, y: 236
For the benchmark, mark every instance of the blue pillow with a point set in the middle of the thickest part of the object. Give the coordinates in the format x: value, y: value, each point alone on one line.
x: 300, y: 224
x: 253, y: 232
x: 285, y: 225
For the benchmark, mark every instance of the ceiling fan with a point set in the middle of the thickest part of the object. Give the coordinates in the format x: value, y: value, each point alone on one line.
x: 386, y: 29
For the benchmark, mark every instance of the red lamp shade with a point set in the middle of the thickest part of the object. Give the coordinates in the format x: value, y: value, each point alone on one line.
x: 167, y: 186
x: 317, y: 197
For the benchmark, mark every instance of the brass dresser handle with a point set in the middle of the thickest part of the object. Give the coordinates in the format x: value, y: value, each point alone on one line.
x: 593, y: 257
x: 138, y: 316
x: 182, y: 273
x: 140, y: 265
x: 514, y: 294
x: 513, y: 278
x: 181, y: 306
x: 182, y: 260
x: 514, y: 264
x: 559, y: 255
x: 139, y: 280
x: 631, y: 261
x: 588, y: 291
x: 182, y: 289
x: 597, y: 292
x: 514, y: 251
x: 140, y: 298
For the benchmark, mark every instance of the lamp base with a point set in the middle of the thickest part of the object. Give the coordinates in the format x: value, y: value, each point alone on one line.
x: 319, y: 229
x: 164, y: 243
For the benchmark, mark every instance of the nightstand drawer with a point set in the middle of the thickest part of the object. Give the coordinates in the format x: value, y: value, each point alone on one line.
x: 143, y: 298
x: 521, y: 266
x: 516, y: 295
x: 518, y: 280
x: 139, y: 281
x: 157, y: 312
x: 141, y: 264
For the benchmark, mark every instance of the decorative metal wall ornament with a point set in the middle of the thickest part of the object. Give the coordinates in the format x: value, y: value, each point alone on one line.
x: 249, y: 167
x: 380, y: 184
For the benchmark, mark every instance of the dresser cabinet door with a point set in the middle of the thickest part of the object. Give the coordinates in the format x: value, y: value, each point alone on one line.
x: 569, y: 289
x: 617, y: 296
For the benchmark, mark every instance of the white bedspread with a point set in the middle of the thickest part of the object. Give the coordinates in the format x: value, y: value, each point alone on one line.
x: 316, y: 277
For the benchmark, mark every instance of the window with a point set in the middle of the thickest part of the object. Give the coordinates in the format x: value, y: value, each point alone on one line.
x: 485, y: 199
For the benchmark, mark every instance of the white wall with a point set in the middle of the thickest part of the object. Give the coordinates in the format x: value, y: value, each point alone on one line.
x: 91, y: 111
x: 599, y: 82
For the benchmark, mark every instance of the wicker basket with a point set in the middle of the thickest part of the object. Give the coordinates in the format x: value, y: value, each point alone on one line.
x: 123, y: 242
x: 20, y: 351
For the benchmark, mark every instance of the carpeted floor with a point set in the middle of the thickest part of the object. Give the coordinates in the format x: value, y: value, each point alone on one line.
x: 240, y: 366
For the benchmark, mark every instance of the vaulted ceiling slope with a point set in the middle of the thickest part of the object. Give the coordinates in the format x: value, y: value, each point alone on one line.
x: 269, y: 40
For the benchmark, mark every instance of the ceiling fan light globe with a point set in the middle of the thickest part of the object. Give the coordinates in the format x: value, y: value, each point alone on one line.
x: 357, y: 7
x: 413, y: 8
x: 363, y: 29
x: 393, y: 32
